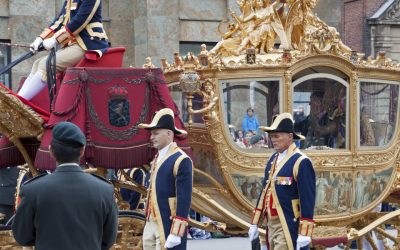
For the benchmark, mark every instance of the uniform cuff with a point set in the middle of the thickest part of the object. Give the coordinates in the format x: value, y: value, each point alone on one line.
x: 63, y: 36
x: 256, y: 216
x: 306, y: 227
x: 179, y: 225
x: 46, y: 33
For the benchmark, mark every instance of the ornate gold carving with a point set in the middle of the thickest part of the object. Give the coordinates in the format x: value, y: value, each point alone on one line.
x: 148, y: 64
x: 7, y: 241
x: 376, y: 159
x: 210, y: 99
x: 287, y: 89
x: 130, y: 232
x: 301, y: 34
x: 329, y: 231
x: 200, y: 138
x: 293, y: 23
x: 17, y: 119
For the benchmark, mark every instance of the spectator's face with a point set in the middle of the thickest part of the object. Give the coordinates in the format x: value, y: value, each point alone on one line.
x: 249, y: 135
x: 281, y: 141
x: 250, y: 113
x: 240, y: 134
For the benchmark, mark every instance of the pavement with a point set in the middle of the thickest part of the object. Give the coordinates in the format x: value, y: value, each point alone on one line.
x: 243, y: 243
x: 233, y: 243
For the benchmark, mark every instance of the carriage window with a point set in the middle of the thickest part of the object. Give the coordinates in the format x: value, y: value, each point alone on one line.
x: 249, y: 104
x: 319, y: 111
x: 378, y: 112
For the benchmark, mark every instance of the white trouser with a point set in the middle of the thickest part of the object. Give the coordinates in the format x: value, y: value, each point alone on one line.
x: 36, y: 81
x: 151, y: 236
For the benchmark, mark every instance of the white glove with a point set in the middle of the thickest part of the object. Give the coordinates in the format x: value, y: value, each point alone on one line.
x: 172, y: 241
x: 35, y: 45
x: 49, y: 43
x: 303, y: 241
x: 253, y: 232
x: 264, y: 247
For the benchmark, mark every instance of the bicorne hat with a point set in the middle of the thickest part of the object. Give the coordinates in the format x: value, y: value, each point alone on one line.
x: 163, y: 118
x: 283, y: 123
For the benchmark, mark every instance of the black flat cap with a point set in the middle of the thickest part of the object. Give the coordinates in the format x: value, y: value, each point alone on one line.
x: 68, y: 134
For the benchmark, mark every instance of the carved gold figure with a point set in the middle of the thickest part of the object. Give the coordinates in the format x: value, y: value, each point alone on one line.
x: 148, y: 64
x: 209, y: 101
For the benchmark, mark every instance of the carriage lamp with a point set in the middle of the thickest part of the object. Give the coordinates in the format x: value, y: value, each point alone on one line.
x: 189, y: 82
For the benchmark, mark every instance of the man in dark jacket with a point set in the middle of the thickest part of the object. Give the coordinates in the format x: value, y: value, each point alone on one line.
x: 8, y: 183
x: 68, y: 209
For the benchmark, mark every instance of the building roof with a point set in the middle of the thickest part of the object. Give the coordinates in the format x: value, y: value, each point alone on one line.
x: 382, y: 9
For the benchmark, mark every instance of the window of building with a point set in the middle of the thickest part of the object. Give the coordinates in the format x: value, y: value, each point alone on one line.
x: 185, y: 47
x: 320, y: 110
x: 378, y: 112
x: 5, y: 59
x: 249, y: 104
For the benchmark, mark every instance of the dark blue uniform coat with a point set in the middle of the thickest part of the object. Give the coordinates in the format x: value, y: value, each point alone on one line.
x: 68, y: 209
x: 79, y: 20
x: 171, y: 194
x: 293, y: 190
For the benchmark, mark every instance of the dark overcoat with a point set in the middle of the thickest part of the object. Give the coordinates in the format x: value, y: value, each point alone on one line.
x: 68, y: 209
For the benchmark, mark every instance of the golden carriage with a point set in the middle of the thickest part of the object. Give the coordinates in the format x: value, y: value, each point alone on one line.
x: 356, y: 152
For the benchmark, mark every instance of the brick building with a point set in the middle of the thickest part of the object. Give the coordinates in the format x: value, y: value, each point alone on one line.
x: 384, y: 26
x: 370, y: 26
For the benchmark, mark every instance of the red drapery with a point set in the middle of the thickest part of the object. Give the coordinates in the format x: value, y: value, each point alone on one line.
x: 84, y: 98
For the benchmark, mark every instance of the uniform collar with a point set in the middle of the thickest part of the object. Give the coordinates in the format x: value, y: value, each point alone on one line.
x: 68, y: 167
x: 162, y: 152
x: 281, y: 155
